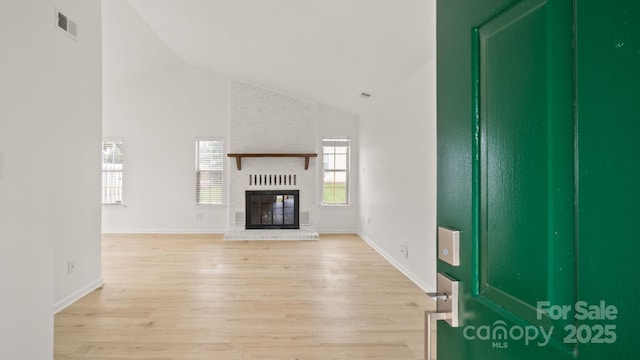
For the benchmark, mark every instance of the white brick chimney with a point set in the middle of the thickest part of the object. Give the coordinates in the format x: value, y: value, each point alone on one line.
x: 263, y: 121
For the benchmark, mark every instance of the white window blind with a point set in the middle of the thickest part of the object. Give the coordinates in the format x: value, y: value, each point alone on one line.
x: 112, y: 171
x: 335, y: 189
x: 209, y: 176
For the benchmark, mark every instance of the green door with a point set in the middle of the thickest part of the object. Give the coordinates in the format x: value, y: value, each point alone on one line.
x: 521, y: 183
x: 608, y: 175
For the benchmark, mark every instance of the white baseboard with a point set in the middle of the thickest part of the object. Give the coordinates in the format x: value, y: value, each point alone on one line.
x: 164, y: 231
x: 77, y: 295
x: 206, y: 232
x: 415, y: 279
x: 337, y: 231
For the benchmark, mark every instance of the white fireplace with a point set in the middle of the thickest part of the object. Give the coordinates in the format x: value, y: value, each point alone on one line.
x: 264, y: 122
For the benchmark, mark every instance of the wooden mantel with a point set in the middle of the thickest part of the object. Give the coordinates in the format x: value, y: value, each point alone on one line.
x: 258, y: 155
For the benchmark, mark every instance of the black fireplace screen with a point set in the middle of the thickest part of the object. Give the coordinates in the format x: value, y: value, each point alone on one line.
x: 272, y: 209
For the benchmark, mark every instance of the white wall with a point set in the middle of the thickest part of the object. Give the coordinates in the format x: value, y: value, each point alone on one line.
x: 131, y: 50
x: 76, y: 154
x: 49, y: 142
x: 398, y: 175
x: 159, y: 118
x: 26, y: 248
x: 158, y: 106
x: 337, y: 123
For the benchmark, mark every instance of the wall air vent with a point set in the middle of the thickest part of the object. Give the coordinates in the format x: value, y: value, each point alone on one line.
x: 67, y: 26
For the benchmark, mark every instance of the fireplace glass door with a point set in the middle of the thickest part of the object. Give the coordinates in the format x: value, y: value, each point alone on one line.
x: 272, y: 209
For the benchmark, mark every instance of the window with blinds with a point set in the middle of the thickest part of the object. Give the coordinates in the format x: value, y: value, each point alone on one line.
x: 112, y: 171
x: 209, y: 176
x: 335, y: 154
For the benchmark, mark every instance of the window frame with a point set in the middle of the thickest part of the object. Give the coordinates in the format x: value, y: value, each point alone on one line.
x: 213, y: 172
x: 113, y: 171
x: 337, y: 142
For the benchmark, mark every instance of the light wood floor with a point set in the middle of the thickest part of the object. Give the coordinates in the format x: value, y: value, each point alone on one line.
x: 199, y: 297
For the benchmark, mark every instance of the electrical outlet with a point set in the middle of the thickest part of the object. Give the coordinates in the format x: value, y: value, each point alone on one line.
x: 71, y: 266
x: 404, y: 247
x: 199, y: 217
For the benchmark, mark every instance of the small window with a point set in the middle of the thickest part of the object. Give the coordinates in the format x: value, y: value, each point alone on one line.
x: 112, y: 171
x: 209, y: 176
x: 335, y: 189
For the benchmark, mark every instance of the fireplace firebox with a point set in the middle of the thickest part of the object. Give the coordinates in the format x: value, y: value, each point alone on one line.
x: 272, y: 209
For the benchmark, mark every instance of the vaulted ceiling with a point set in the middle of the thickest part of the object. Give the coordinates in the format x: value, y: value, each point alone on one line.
x: 329, y: 51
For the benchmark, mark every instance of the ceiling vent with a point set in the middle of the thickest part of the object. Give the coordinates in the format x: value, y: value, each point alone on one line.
x: 67, y: 26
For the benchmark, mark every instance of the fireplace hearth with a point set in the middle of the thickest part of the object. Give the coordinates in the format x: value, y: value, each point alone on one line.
x: 272, y: 209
